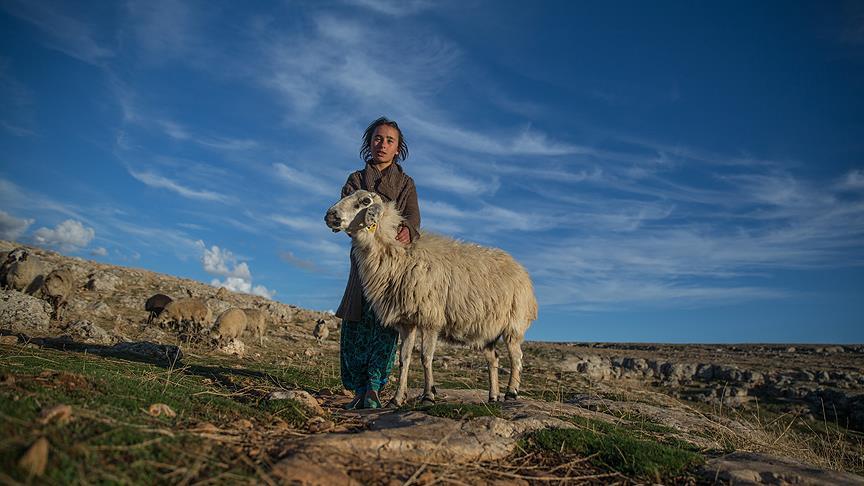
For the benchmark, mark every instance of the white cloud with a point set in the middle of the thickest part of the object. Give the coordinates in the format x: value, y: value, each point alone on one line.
x: 854, y: 180
x: 101, y: 251
x: 155, y: 180
x: 305, y: 181
x: 394, y: 8
x: 429, y: 173
x: 69, y: 235
x: 11, y: 227
x: 237, y: 276
x: 62, y: 32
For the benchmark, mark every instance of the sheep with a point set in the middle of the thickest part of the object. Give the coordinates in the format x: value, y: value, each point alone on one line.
x: 57, y: 288
x: 321, y: 331
x: 155, y: 305
x: 464, y: 293
x: 256, y: 322
x: 230, y: 324
x: 187, y: 310
x: 222, y: 293
x: 22, y: 271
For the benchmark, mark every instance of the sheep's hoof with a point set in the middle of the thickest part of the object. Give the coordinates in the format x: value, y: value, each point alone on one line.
x: 511, y: 395
x: 493, y: 399
x: 393, y: 404
x: 427, y: 400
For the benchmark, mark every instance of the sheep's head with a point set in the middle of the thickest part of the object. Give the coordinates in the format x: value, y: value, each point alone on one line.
x: 357, y: 212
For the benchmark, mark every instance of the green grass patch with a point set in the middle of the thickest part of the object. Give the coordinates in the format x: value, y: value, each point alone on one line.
x: 111, y: 437
x: 617, y: 449
x: 458, y: 411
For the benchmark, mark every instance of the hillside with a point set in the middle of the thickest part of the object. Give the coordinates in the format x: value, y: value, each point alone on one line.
x: 100, y: 395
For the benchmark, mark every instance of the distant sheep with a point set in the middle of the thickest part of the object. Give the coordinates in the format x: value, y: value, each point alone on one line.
x: 155, y: 305
x: 256, y: 323
x: 222, y: 293
x: 22, y: 271
x: 465, y: 293
x: 189, y: 311
x: 230, y: 324
x: 57, y: 288
x: 321, y: 331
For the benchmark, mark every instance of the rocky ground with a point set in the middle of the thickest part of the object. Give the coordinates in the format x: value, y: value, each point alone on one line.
x: 590, y: 412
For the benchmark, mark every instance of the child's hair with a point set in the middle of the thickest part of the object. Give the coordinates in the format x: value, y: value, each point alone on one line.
x: 366, y: 151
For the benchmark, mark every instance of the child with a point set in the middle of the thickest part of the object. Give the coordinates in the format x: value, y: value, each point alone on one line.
x: 367, y: 348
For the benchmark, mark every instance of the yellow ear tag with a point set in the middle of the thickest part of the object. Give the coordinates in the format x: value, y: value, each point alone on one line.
x: 372, y: 227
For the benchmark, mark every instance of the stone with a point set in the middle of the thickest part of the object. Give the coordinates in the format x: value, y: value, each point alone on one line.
x: 300, y: 396
x: 102, y: 282
x: 8, y: 340
x: 233, y: 347
x: 23, y: 313
x: 89, y: 332
x: 755, y: 468
x: 311, y: 471
x: 163, y: 354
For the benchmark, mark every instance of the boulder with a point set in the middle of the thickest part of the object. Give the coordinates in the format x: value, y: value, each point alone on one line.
x: 24, y: 313
x: 89, y: 332
x: 102, y: 282
x: 753, y: 468
x: 300, y: 396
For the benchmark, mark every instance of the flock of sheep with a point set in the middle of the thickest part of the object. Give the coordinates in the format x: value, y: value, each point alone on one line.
x: 22, y: 271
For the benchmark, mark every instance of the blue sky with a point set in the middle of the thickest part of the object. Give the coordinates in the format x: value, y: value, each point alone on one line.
x: 671, y: 172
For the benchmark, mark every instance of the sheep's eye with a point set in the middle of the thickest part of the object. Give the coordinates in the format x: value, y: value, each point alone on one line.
x: 366, y: 201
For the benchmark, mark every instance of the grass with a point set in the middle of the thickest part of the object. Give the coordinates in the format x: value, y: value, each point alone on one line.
x: 459, y: 411
x: 614, y: 448
x: 221, y: 422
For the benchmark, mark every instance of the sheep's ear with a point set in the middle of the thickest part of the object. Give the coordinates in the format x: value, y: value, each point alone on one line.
x: 373, y: 213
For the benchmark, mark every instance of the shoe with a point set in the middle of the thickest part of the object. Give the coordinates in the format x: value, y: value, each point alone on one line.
x: 356, y: 403
x: 371, y: 400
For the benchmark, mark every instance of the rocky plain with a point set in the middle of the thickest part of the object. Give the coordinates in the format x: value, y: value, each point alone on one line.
x: 97, y: 393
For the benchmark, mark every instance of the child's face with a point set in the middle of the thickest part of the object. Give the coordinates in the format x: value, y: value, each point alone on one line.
x: 385, y: 144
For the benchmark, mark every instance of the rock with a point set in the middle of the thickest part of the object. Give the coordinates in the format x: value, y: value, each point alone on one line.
x: 222, y: 293
x: 89, y: 332
x: 23, y: 313
x: 753, y: 468
x: 100, y: 309
x: 8, y: 340
x: 102, y: 282
x: 234, y: 346
x: 300, y: 396
x: 311, y: 471
x: 163, y: 354
x: 318, y: 425
x: 218, y: 306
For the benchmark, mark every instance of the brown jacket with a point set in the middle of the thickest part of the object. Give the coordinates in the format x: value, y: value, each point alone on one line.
x: 393, y: 185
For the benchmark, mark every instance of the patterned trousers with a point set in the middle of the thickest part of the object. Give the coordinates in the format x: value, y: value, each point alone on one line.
x: 367, y: 350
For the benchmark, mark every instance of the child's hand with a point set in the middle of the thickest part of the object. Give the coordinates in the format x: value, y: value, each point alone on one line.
x: 404, y: 236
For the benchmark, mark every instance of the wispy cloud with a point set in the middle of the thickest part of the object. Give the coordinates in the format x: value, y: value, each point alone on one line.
x: 62, y: 32
x: 161, y: 182
x: 11, y: 228
x: 854, y: 180
x: 304, y: 181
x: 291, y: 259
x: 394, y: 8
x: 430, y: 173
x: 18, y: 117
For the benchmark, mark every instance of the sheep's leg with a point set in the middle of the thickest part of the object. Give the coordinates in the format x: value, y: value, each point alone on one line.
x: 514, y: 347
x: 406, y: 337
x: 492, y: 361
x: 427, y: 352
